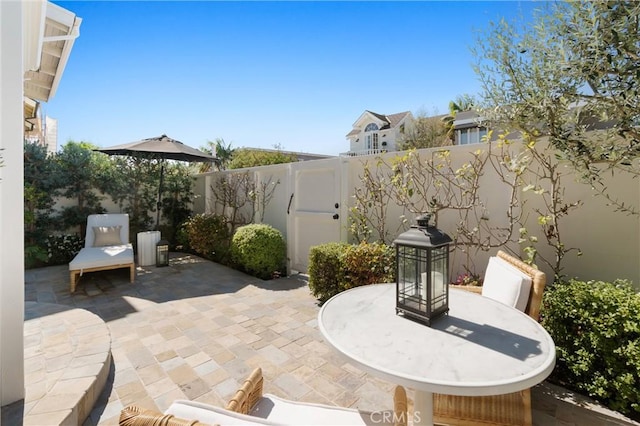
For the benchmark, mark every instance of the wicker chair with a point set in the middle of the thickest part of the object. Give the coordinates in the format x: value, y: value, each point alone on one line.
x: 249, y: 397
x: 136, y: 416
x: 509, y: 409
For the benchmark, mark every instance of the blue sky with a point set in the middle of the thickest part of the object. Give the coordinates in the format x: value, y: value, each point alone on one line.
x: 257, y: 74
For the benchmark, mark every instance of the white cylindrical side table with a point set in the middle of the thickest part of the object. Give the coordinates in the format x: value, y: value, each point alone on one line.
x: 147, y: 247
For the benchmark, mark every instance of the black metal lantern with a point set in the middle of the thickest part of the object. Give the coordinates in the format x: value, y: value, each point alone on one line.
x: 162, y: 253
x: 422, y: 281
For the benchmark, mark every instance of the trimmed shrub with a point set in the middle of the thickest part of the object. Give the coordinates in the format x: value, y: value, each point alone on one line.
x: 209, y: 236
x: 259, y: 250
x: 367, y: 263
x: 62, y: 249
x: 596, y: 329
x: 335, y: 267
x: 326, y: 269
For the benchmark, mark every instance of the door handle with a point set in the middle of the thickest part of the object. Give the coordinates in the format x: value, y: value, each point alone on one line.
x: 336, y: 216
x: 289, y: 206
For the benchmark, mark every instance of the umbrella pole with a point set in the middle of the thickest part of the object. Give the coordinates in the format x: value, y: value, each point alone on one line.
x: 159, y: 205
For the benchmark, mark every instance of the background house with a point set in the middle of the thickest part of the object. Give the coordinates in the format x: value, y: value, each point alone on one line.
x: 374, y: 133
x: 468, y: 128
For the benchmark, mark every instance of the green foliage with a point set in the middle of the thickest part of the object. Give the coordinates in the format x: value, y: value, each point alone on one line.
x: 259, y: 250
x: 425, y: 132
x: 326, y: 269
x: 182, y: 238
x: 41, y: 185
x: 335, y: 267
x: 177, y: 196
x: 596, y: 329
x: 34, y: 256
x: 366, y: 264
x: 247, y: 157
x: 464, y: 102
x: 571, y: 71
x: 81, y: 174
x: 61, y: 249
x: 135, y: 189
x: 209, y: 236
x: 219, y: 149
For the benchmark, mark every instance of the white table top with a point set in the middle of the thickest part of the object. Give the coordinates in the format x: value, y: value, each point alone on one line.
x: 482, y: 347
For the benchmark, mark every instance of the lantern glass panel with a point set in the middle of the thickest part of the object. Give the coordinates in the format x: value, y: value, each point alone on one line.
x: 411, y: 277
x: 162, y: 253
x: 439, y: 274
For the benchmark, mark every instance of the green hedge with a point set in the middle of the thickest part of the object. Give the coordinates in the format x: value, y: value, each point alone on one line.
x: 259, y: 250
x: 366, y: 264
x: 335, y: 267
x: 596, y: 329
x: 326, y: 269
x: 209, y: 236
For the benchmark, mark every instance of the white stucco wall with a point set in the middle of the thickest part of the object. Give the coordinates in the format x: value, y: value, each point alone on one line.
x: 610, y: 241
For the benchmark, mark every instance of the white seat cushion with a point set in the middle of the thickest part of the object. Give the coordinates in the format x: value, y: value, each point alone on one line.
x: 209, y: 414
x: 284, y: 411
x: 97, y: 257
x: 507, y: 284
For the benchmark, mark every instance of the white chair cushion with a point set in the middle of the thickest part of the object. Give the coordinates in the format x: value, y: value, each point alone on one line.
x: 284, y: 411
x: 97, y: 257
x: 506, y: 283
x: 109, y: 219
x: 209, y: 414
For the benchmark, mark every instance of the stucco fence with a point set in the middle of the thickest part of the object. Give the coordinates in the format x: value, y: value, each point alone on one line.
x: 609, y: 240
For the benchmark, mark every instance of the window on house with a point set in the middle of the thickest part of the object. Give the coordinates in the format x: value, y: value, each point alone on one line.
x: 402, y: 129
x: 371, y: 137
x: 372, y: 141
x: 471, y: 135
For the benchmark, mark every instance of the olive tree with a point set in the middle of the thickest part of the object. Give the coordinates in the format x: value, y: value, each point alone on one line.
x: 572, y: 76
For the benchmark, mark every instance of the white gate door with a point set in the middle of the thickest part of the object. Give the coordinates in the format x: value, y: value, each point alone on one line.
x: 315, y: 211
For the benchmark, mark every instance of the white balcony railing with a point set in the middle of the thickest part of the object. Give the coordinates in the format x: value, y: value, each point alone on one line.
x: 363, y: 152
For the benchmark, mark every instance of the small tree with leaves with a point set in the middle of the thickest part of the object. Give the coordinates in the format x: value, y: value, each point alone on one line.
x: 84, y: 174
x: 571, y: 76
x: 425, y: 132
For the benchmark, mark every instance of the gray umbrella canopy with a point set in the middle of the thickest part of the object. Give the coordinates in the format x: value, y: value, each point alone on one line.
x: 161, y: 148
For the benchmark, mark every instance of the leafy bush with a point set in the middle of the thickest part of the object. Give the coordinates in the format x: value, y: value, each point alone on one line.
x: 368, y: 264
x: 209, y: 236
x: 326, y: 269
x: 259, y: 250
x: 62, y: 249
x: 335, y: 267
x: 596, y: 328
x: 182, y: 238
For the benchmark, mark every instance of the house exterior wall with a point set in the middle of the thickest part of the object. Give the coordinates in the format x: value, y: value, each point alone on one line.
x: 390, y: 136
x: 12, y: 35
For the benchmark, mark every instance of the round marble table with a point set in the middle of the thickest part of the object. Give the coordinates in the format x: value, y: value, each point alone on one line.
x: 482, y: 347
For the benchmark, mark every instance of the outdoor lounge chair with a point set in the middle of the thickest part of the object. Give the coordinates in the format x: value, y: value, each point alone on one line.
x: 250, y: 407
x: 106, y: 247
x: 517, y: 284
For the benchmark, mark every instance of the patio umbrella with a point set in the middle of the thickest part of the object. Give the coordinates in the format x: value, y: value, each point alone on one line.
x: 162, y: 148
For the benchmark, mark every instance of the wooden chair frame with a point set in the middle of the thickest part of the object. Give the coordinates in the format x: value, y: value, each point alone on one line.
x: 251, y: 391
x: 508, y: 409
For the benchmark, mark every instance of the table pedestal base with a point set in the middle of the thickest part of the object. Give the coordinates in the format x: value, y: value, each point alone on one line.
x: 423, y: 408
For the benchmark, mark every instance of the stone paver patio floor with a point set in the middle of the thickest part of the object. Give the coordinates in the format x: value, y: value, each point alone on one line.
x: 196, y: 329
